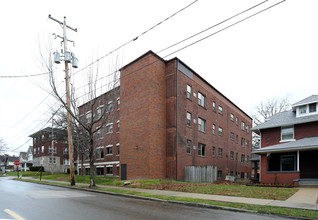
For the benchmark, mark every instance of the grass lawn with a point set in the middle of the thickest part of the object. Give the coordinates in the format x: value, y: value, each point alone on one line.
x: 243, y: 191
x: 274, y: 193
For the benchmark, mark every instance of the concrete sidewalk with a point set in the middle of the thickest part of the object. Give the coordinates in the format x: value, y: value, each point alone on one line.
x: 305, y: 198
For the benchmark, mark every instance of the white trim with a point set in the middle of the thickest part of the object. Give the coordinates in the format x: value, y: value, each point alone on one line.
x: 109, y: 124
x: 99, y: 166
x: 100, y: 147
x: 103, y: 163
x: 109, y: 165
x: 297, y: 160
x: 118, y: 121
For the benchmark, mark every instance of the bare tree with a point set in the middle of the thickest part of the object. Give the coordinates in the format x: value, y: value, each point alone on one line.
x: 267, y: 109
x: 87, y: 131
x: 3, y: 146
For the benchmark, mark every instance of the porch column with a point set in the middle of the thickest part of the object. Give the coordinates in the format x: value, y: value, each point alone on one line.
x: 298, y: 160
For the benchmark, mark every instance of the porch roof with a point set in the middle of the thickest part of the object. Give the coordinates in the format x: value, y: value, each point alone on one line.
x: 308, y: 143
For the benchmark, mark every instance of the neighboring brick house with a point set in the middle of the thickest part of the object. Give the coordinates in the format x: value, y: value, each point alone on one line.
x: 170, y: 117
x: 55, y: 157
x: 289, y: 144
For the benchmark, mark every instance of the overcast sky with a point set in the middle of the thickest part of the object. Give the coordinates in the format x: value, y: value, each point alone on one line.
x: 272, y: 54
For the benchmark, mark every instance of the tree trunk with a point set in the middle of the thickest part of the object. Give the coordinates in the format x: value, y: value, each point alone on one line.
x: 91, y: 165
x: 82, y: 164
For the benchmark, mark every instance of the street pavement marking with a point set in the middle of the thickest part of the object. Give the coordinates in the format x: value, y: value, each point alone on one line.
x: 13, y: 214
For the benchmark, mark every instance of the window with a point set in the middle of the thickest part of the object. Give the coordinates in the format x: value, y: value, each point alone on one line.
x: 42, y: 149
x: 220, y: 152
x: 100, y: 111
x: 232, y: 136
x: 109, y: 150
x: 81, y: 118
x: 220, y: 131
x: 243, y: 126
x: 189, y: 89
x: 247, y: 143
x: 232, y: 155
x: 201, y: 150
x: 118, y: 103
x: 219, y: 174
x: 213, y: 129
x: 236, y: 156
x: 201, y: 124
x: 34, y: 150
x: 213, y: 151
x: 247, y: 159
x: 282, y: 162
x: 100, y: 133
x: 188, y: 119
x: 303, y: 109
x: 288, y: 163
x: 236, y: 139
x: 312, y: 107
x: 109, y: 169
x: 236, y: 121
x: 54, y: 149
x: 109, y: 128
x: 52, y: 159
x: 88, y: 117
x: 188, y: 148
x: 66, y: 161
x: 232, y: 117
x: 65, y: 150
x: 118, y: 149
x: 213, y: 106
x: 243, y: 142
x: 247, y: 129
x: 100, y: 153
x: 118, y: 126
x: 99, y: 171
x: 287, y: 133
x: 220, y: 108
x: 201, y: 99
x: 109, y: 107
x: 242, y: 158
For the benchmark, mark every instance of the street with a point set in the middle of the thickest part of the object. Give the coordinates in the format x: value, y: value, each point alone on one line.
x: 36, y: 201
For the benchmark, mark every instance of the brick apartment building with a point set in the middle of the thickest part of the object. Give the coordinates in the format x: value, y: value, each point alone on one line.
x: 55, y: 157
x: 169, y: 118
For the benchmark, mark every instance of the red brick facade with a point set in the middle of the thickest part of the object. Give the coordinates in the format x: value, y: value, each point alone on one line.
x: 153, y: 123
x: 42, y: 151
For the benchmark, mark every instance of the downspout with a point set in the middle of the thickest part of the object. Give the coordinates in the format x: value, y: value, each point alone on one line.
x: 177, y: 63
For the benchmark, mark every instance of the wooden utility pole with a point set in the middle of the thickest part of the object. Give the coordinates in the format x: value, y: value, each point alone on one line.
x: 68, y: 104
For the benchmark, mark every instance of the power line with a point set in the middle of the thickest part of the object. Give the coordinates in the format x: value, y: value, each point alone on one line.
x: 213, y: 26
x: 204, y: 38
x: 191, y: 44
x: 24, y: 76
x: 136, y: 38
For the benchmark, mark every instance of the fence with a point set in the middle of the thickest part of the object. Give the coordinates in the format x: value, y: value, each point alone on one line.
x: 200, y: 174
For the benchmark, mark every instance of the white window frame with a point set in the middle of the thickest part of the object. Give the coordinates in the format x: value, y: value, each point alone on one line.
x: 189, y: 91
x: 88, y: 117
x: 112, y: 128
x: 201, y: 99
x: 100, y: 111
x: 282, y: 133
x: 201, y: 124
x: 200, y: 151
x: 220, y: 110
x: 107, y: 147
x: 189, y: 119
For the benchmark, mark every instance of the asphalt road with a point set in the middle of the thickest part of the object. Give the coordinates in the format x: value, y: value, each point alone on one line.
x: 35, y: 201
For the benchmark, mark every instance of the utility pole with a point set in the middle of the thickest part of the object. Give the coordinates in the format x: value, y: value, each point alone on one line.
x: 52, y: 146
x: 67, y: 59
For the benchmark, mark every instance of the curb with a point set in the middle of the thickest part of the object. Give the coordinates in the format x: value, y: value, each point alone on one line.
x: 169, y: 201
